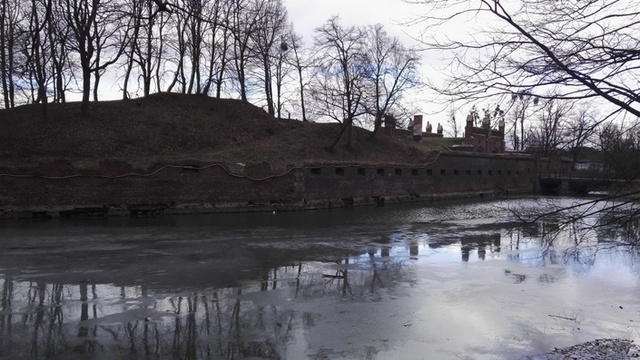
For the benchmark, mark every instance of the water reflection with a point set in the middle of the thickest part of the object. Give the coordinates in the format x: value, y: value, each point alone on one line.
x: 255, y: 320
x: 203, y: 291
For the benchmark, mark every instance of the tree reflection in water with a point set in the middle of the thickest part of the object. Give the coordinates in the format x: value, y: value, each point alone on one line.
x: 66, y: 320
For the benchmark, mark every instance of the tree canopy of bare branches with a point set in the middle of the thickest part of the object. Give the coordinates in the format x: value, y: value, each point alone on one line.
x: 341, y: 74
x: 360, y: 71
x: 587, y: 47
x: 392, y: 71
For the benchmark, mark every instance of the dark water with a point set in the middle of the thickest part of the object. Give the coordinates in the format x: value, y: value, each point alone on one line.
x: 445, y: 281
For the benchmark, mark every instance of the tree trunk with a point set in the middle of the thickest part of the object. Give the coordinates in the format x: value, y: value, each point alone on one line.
x: 241, y: 79
x: 223, y: 66
x: 160, y: 50
x: 134, y: 43
x: 56, y: 42
x: 127, y: 74
x: 146, y: 72
x: 346, y: 126
x: 7, y: 56
x: 86, y: 92
x: 332, y: 147
x: 36, y: 59
x: 304, y: 113
x: 3, y: 54
x: 267, y: 85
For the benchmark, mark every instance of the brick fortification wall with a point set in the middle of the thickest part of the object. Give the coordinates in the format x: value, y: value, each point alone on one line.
x: 450, y: 174
x: 176, y: 187
x: 55, y: 189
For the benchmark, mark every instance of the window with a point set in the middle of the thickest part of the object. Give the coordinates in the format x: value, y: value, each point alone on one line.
x: 340, y: 171
x: 414, y: 172
x: 443, y: 172
x: 362, y: 172
x: 398, y: 171
x: 479, y: 172
x: 468, y: 172
x: 315, y: 171
x: 455, y: 172
x: 380, y: 171
x: 490, y: 172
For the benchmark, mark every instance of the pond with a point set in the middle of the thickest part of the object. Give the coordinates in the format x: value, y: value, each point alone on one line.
x: 454, y: 280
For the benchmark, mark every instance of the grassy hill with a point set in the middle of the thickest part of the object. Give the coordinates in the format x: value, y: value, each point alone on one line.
x: 169, y: 127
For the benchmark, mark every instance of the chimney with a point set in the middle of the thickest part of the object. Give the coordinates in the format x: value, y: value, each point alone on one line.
x: 417, y: 128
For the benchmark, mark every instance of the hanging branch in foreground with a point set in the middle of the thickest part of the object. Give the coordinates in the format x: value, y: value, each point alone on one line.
x: 588, y: 49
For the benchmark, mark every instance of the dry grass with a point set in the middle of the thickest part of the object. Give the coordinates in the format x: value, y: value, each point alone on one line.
x: 171, y: 127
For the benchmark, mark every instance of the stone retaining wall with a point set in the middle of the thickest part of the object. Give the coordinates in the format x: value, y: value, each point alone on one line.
x: 197, y: 187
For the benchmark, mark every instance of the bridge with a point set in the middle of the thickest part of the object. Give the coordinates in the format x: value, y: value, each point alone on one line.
x: 557, y: 185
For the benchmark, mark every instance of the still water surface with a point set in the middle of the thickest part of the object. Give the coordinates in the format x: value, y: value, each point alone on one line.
x: 420, y: 281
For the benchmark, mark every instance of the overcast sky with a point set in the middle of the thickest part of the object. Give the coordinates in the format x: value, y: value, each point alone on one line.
x: 310, y: 14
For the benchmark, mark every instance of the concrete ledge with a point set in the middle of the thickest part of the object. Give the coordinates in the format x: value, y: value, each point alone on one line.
x: 143, y: 210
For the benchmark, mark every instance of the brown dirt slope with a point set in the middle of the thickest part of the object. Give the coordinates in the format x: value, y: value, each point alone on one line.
x: 171, y: 127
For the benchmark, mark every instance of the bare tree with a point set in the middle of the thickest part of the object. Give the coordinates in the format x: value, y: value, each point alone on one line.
x: 587, y: 47
x: 299, y: 62
x: 144, y: 53
x: 392, y: 70
x: 162, y: 22
x: 452, y: 121
x: 36, y: 50
x: 245, y: 18
x: 282, y: 68
x: 548, y: 134
x: 95, y: 28
x: 61, y: 65
x: 140, y: 12
x: 34, y: 64
x: 110, y: 38
x: 177, y: 41
x: 10, y: 15
x: 621, y: 150
x: 195, y: 25
x: 581, y: 129
x: 217, y: 46
x: 341, y: 74
x: 267, y: 37
x: 520, y: 107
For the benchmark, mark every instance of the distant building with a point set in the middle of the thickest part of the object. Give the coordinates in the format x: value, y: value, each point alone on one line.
x: 476, y: 139
x: 484, y: 139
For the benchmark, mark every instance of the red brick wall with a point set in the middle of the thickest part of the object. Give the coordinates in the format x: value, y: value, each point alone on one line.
x: 194, y: 186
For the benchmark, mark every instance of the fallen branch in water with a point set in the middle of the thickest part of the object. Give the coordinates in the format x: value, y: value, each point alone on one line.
x: 563, y: 317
